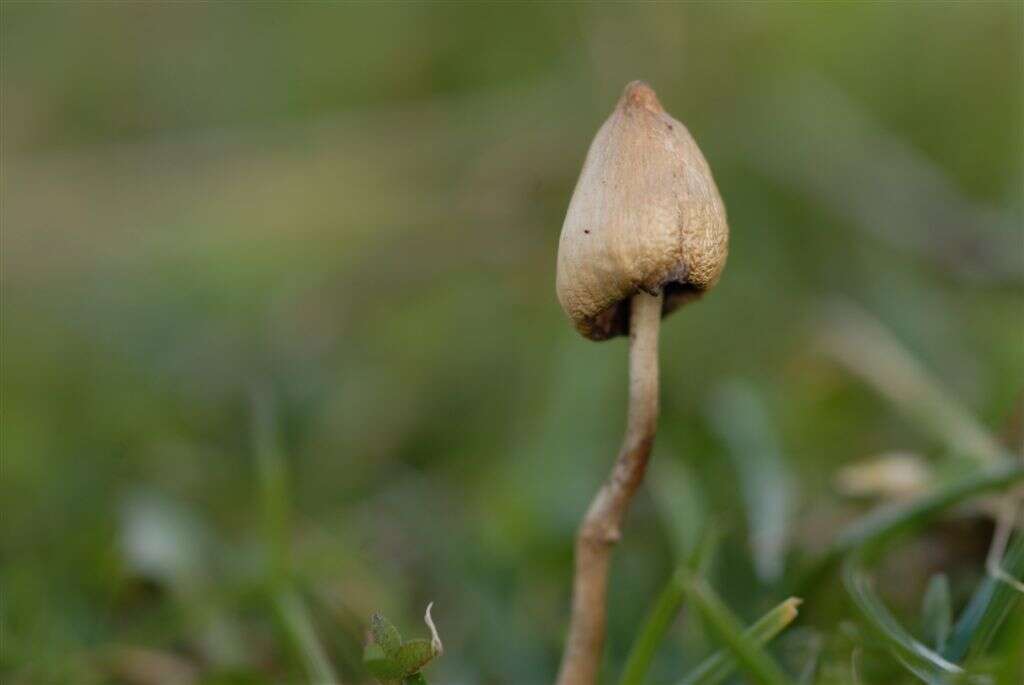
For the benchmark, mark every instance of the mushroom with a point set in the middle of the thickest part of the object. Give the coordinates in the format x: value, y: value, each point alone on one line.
x: 645, y: 233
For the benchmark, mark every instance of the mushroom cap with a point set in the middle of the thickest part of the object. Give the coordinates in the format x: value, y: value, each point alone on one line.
x: 645, y: 215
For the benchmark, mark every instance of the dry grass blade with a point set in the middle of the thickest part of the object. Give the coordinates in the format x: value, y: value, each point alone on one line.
x: 863, y: 346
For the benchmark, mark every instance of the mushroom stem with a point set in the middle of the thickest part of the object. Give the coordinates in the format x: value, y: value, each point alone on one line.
x: 601, y: 527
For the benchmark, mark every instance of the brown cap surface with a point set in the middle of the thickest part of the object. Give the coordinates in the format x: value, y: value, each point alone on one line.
x: 645, y: 215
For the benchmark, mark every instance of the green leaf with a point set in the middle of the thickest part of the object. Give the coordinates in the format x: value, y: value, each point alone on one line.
x: 414, y: 655
x: 416, y: 679
x: 385, y: 634
x: 379, y: 665
x: 388, y: 658
x: 372, y: 651
x: 383, y: 668
x: 720, y: 665
x: 936, y: 611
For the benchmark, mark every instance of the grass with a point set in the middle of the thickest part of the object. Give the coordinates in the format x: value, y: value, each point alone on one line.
x: 988, y: 609
x: 889, y: 521
x: 863, y: 541
x: 275, y: 511
x: 921, y: 660
x: 744, y: 646
x: 720, y: 665
x: 666, y: 609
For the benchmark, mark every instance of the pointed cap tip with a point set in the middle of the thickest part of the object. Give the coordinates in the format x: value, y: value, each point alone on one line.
x: 638, y: 93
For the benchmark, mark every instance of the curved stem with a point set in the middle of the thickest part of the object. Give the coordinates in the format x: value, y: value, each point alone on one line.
x: 601, y: 527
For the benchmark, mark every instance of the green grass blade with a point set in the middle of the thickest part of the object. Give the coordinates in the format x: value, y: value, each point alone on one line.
x: 680, y: 503
x: 750, y: 656
x: 921, y: 660
x: 720, y: 665
x: 299, y: 625
x: 1009, y: 666
x: 864, y: 541
x: 890, y: 520
x: 809, y: 674
x: 657, y: 623
x: 272, y: 479
x: 937, y: 611
x: 385, y: 634
x: 665, y: 610
x: 739, y: 418
x: 988, y: 608
x: 275, y: 510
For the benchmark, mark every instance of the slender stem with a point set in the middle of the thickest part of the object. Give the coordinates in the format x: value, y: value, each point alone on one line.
x: 601, y: 527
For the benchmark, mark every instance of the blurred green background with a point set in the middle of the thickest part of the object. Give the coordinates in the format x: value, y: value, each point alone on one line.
x: 280, y: 345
